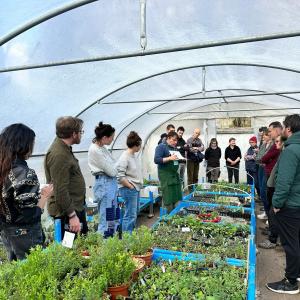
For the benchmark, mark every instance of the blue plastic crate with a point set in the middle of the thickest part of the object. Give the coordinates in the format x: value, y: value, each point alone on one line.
x: 163, y: 254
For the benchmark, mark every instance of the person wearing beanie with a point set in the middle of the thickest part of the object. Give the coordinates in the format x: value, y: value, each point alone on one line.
x: 250, y: 164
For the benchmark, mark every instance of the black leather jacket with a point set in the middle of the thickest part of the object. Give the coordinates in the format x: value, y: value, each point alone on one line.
x: 20, y: 195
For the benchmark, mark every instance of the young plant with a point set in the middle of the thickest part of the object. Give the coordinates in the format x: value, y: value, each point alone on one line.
x: 113, y: 262
x: 140, y: 241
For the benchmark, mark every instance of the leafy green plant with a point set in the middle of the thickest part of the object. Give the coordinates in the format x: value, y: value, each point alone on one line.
x: 92, y: 242
x: 140, y: 241
x: 81, y: 287
x: 3, y: 255
x: 113, y: 262
x: 190, y: 280
x: 40, y: 275
x: 188, y: 234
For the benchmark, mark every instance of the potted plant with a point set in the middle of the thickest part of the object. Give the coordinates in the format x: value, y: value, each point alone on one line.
x: 140, y: 243
x: 139, y: 266
x: 114, y: 263
x: 84, y: 245
x: 82, y: 287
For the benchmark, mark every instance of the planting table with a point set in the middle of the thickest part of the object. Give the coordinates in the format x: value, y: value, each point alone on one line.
x: 162, y: 254
x: 217, y: 190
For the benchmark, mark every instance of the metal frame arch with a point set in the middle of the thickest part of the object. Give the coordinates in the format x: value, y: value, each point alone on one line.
x: 98, y: 101
x: 175, y: 115
x: 183, y: 97
x: 210, y: 44
x: 42, y: 18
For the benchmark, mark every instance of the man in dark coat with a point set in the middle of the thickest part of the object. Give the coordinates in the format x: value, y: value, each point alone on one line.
x: 286, y: 206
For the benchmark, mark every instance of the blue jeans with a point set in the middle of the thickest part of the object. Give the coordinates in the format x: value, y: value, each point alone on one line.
x: 131, y: 198
x: 263, y: 187
x: 105, y: 192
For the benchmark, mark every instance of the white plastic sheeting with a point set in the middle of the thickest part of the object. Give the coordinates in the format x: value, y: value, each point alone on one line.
x: 38, y: 96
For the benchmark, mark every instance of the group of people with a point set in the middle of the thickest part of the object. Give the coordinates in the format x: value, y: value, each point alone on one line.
x: 192, y: 154
x: 274, y: 165
x: 275, y: 168
x: 22, y: 201
x: 278, y: 160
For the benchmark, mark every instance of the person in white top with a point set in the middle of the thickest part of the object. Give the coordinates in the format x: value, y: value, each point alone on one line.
x: 130, y: 180
x: 103, y: 167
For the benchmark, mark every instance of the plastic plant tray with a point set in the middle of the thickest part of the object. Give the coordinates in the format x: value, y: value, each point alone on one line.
x: 168, y: 254
x: 220, y: 193
x: 183, y: 204
x: 162, y: 254
x: 204, y: 204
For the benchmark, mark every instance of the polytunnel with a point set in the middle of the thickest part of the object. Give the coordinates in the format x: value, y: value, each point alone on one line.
x: 139, y: 65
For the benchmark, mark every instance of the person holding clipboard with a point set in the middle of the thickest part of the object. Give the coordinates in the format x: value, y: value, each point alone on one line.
x: 168, y: 163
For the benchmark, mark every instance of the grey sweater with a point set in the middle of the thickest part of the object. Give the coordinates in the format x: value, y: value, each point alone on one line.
x: 129, y: 168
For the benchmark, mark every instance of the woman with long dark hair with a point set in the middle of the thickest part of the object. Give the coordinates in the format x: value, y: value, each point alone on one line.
x: 21, y: 203
x: 103, y: 167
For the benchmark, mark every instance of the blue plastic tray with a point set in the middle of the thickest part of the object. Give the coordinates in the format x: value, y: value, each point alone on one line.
x: 162, y: 254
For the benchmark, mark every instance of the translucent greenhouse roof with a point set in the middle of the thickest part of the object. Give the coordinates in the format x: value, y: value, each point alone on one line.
x: 85, y: 58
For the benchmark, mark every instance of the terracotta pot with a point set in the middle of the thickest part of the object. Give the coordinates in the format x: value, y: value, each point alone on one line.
x: 140, y: 264
x: 85, y: 254
x: 147, y: 257
x: 120, y: 290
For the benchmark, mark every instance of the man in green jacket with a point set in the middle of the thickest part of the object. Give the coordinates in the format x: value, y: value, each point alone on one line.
x: 62, y: 169
x: 286, y: 203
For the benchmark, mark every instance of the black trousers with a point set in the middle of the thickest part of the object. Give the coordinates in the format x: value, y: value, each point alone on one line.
x: 65, y: 223
x: 273, y: 235
x: 233, y: 172
x: 18, y: 239
x: 257, y: 181
x: 288, y: 223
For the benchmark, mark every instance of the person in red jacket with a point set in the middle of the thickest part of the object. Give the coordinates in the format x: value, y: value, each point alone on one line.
x: 270, y: 158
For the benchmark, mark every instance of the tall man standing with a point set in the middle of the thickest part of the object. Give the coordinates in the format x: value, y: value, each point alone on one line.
x: 286, y: 206
x: 163, y: 137
x: 233, y: 157
x: 62, y: 169
x: 194, y: 156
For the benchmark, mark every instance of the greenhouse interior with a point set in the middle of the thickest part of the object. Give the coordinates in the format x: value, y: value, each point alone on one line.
x: 150, y: 149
